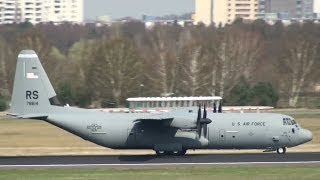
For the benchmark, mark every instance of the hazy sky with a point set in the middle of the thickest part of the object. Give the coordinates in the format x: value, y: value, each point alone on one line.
x: 135, y: 8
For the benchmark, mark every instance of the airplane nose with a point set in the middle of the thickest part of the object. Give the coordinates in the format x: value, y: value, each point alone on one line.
x: 307, y: 135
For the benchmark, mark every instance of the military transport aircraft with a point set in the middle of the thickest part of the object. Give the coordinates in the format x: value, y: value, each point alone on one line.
x: 167, y: 133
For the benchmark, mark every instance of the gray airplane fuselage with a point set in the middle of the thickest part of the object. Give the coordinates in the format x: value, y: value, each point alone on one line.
x: 227, y: 130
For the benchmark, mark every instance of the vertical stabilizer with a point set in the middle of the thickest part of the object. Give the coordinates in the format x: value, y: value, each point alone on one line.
x: 32, y: 90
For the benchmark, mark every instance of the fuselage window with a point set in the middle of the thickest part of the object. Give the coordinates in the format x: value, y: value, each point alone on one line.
x: 286, y: 121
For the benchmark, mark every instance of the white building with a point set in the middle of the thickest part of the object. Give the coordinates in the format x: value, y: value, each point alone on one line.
x: 316, y: 7
x: 7, y: 11
x: 224, y: 11
x: 36, y: 11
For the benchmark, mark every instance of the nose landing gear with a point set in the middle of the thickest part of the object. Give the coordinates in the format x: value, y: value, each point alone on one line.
x: 281, y: 150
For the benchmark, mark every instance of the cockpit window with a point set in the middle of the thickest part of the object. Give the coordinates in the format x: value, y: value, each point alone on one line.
x: 288, y: 121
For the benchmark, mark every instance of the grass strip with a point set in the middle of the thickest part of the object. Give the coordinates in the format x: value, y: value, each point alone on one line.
x: 185, y: 173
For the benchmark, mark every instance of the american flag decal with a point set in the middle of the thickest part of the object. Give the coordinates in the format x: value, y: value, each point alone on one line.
x: 32, y: 76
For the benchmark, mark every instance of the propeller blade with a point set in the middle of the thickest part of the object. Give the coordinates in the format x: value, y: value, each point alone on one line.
x: 199, y: 121
x: 199, y: 114
x: 220, y: 107
x: 205, y: 130
x: 214, y: 107
x: 204, y: 112
x: 199, y: 130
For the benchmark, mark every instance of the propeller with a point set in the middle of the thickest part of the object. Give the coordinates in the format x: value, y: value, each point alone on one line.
x: 203, y: 122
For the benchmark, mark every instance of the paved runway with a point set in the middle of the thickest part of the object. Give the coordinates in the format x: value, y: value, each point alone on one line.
x: 152, y: 160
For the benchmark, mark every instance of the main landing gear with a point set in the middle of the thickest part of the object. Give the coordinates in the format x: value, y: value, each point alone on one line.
x: 281, y: 150
x: 171, y: 153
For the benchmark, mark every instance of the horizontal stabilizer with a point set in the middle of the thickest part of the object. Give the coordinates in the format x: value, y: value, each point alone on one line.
x: 34, y: 116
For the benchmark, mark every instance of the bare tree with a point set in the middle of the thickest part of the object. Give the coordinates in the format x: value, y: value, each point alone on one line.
x: 226, y: 53
x: 164, y: 41
x: 81, y: 54
x: 300, y: 53
x: 36, y: 40
x: 115, y: 70
x: 237, y: 52
x: 189, y: 61
x: 195, y: 61
x: 4, y: 79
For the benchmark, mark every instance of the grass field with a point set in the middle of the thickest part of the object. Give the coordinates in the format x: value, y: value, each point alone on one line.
x: 32, y: 137
x: 185, y: 173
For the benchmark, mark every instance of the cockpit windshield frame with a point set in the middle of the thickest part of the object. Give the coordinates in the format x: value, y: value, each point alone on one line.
x: 289, y: 121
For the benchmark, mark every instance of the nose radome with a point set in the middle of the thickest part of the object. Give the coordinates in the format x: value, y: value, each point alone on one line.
x: 307, y: 135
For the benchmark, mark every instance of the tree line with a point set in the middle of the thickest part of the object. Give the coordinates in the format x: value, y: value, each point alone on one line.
x: 246, y: 64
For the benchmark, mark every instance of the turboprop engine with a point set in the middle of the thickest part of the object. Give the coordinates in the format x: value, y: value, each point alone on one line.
x: 199, y: 124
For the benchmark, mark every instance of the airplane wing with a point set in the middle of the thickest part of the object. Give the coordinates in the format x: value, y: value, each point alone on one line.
x: 245, y: 108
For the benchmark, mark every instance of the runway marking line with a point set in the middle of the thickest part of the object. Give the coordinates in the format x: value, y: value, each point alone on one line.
x: 160, y: 164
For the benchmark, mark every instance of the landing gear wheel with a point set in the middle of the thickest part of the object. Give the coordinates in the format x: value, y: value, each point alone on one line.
x: 160, y: 153
x: 281, y: 150
x: 171, y: 153
x: 164, y: 153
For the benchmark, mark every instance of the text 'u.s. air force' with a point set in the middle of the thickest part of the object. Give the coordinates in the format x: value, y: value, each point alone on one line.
x: 249, y: 123
x: 32, y: 98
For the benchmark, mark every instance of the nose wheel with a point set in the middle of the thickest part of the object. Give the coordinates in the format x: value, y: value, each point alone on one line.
x: 281, y: 150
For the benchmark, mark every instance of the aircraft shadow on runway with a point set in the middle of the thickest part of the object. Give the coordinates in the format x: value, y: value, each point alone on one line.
x: 144, y: 158
x: 252, y: 157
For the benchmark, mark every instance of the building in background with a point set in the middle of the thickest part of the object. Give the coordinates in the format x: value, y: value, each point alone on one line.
x: 203, y: 11
x: 8, y: 11
x: 316, y: 8
x: 36, y: 11
x: 270, y: 9
x: 288, y: 9
x: 305, y: 9
x: 224, y: 11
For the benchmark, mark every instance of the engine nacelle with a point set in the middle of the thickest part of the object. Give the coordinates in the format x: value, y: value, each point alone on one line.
x: 183, y: 123
x: 187, y: 122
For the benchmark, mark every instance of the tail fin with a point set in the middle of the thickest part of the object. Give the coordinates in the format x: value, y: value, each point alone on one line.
x: 32, y: 90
